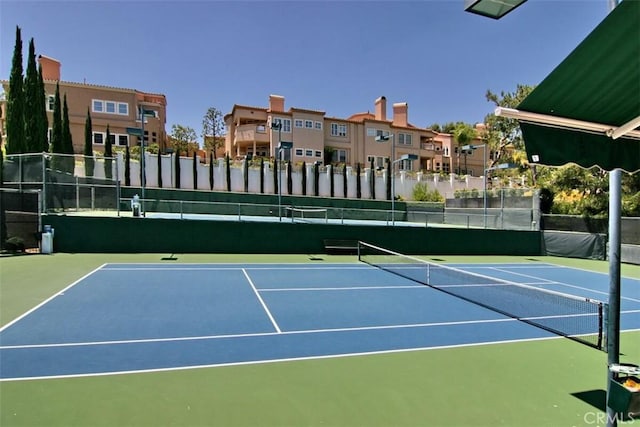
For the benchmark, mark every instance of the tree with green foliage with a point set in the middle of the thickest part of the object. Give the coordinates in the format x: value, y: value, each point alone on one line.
x: 245, y: 175
x: 15, y: 142
x: 331, y: 181
x: 56, y: 132
x: 421, y: 193
x: 67, y: 141
x: 32, y: 99
x: 212, y: 129
x: 89, y: 161
x: 108, y: 154
x: 182, y: 137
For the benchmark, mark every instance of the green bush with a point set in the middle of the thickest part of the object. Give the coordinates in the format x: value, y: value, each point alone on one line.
x: 421, y: 193
x: 14, y: 244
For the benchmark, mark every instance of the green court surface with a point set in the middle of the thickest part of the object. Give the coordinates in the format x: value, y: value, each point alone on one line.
x: 554, y: 382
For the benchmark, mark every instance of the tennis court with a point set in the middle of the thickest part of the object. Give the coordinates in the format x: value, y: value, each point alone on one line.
x: 142, y: 317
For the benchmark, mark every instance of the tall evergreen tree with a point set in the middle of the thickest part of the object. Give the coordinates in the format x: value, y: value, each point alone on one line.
x: 331, y: 180
x: 304, y: 178
x: 108, y: 154
x: 275, y: 176
x: 3, y: 221
x: 56, y: 133
x: 176, y: 158
x: 31, y: 103
x: 195, y: 171
x: 344, y: 181
x: 389, y: 178
x: 127, y: 166
x: 316, y: 179
x: 261, y: 175
x: 358, y: 182
x: 67, y: 141
x: 228, y: 159
x: 289, y: 178
x: 43, y: 122
x: 15, y: 101
x: 159, y: 169
x: 373, y: 179
x: 211, y: 170
x: 89, y: 162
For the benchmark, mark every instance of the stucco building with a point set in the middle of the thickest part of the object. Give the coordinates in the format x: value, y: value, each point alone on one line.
x: 115, y: 107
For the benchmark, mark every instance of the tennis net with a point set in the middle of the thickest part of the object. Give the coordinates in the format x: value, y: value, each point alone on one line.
x: 581, y: 319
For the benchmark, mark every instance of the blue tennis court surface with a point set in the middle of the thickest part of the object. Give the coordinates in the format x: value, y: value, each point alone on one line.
x: 144, y: 317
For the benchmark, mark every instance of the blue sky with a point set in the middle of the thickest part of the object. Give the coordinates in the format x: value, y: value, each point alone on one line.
x: 334, y: 56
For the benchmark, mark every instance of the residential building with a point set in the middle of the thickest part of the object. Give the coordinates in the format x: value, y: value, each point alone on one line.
x: 318, y: 138
x: 117, y: 108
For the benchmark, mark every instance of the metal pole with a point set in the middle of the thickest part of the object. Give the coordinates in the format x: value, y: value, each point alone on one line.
x: 393, y: 180
x: 278, y: 160
x: 484, y: 154
x: 142, y: 179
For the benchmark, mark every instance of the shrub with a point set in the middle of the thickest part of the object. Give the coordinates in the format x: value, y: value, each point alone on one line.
x: 421, y: 193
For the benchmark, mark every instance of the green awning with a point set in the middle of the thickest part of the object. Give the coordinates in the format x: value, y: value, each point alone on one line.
x: 599, y: 82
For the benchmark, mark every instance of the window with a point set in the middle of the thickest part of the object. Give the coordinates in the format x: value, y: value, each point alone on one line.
x: 123, y: 140
x: 110, y: 107
x: 98, y: 106
x: 308, y: 153
x: 298, y: 151
x: 308, y: 124
x: 51, y: 100
x: 404, y: 138
x: 338, y: 129
x: 371, y: 132
x: 98, y: 138
x: 339, y: 156
x: 112, y: 138
x: 286, y: 124
x: 406, y: 165
x: 318, y: 125
x: 318, y: 153
x: 297, y: 123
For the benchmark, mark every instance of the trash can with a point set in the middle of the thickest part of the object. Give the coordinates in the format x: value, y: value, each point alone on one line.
x: 135, y: 205
x: 46, y: 245
x: 624, y: 390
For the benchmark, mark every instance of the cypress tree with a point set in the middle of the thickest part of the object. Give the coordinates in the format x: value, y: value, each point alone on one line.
x: 67, y: 141
x: 31, y: 104
x: 177, y: 167
x: 316, y: 179
x: 195, y: 171
x: 389, y: 179
x: 261, y: 175
x: 304, y: 179
x: 3, y: 220
x: 289, y: 178
x: 275, y: 176
x: 358, y: 183
x: 127, y: 167
x: 15, y: 101
x: 108, y: 153
x: 159, y: 169
x: 56, y: 134
x: 373, y: 180
x: 228, y: 159
x: 89, y: 162
x: 246, y: 175
x: 43, y: 123
x: 344, y: 181
x: 331, y: 180
x: 211, y: 171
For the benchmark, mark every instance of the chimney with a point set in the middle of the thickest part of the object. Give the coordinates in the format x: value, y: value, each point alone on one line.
x: 276, y: 103
x: 381, y: 108
x: 50, y: 68
x: 400, y: 114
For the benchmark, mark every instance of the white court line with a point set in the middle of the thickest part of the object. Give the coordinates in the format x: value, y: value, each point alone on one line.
x: 266, y: 309
x: 551, y: 282
x: 345, y: 288
x: 260, y: 334
x: 164, y: 267
x: 291, y: 359
x: 49, y: 299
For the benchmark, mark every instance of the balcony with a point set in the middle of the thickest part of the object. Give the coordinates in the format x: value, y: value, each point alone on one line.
x: 247, y: 134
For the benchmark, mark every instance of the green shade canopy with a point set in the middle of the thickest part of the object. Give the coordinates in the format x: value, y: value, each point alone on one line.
x: 598, y: 82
